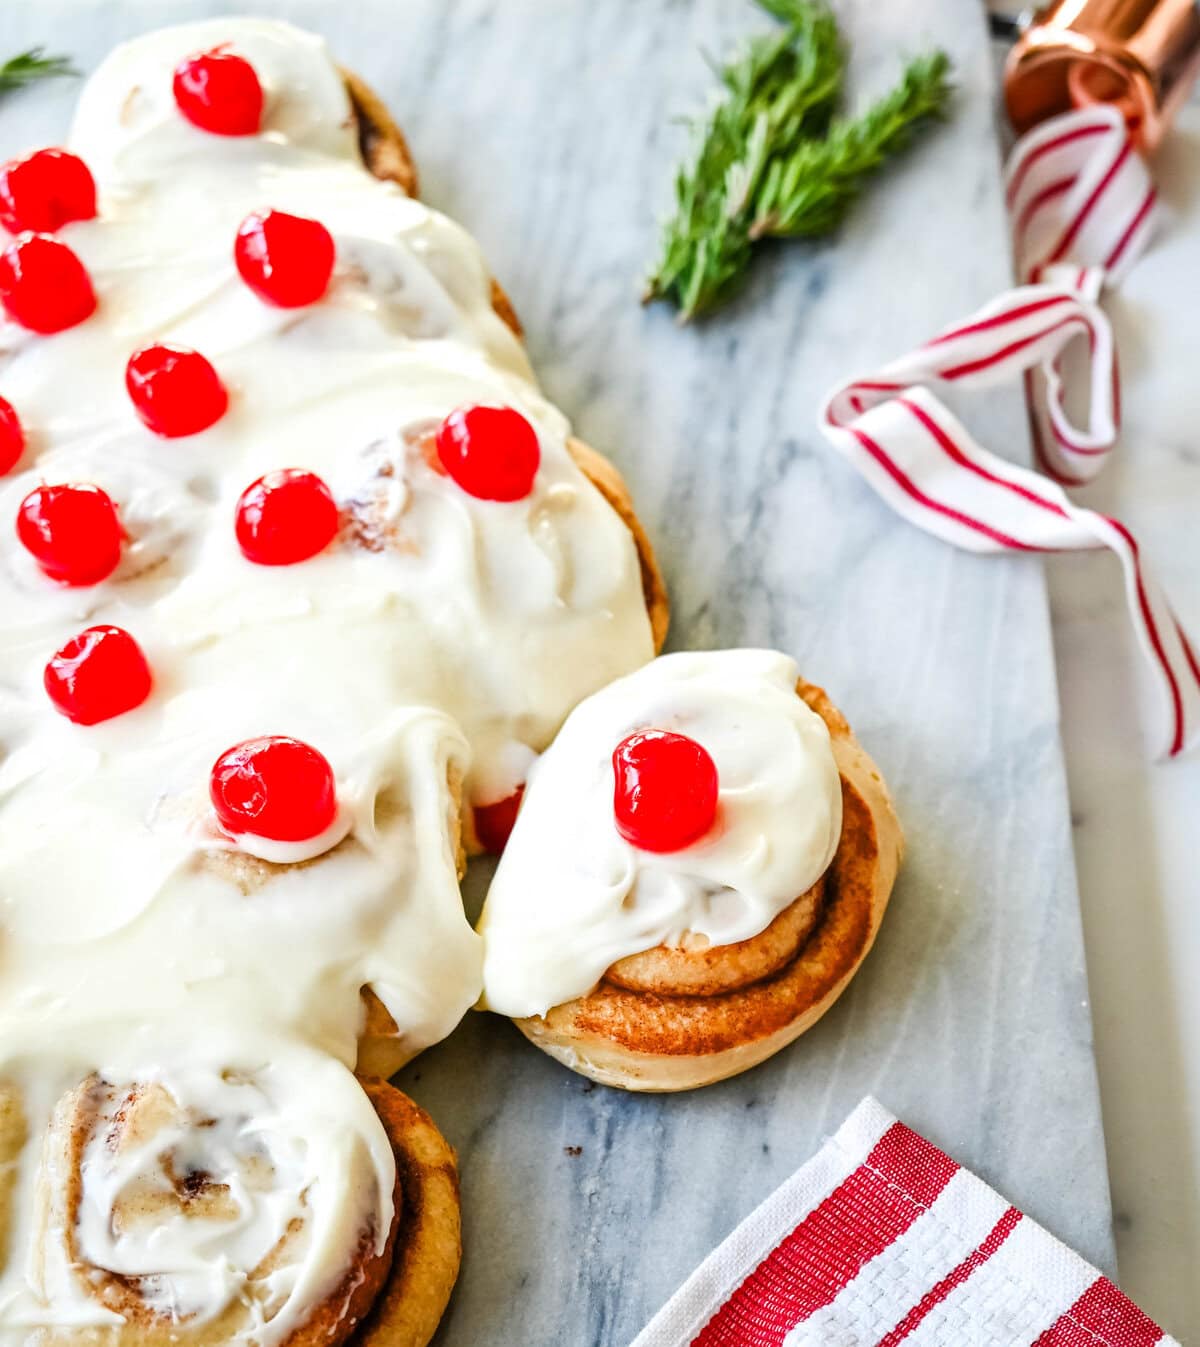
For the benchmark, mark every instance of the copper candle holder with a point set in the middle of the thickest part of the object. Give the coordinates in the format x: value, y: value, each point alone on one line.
x: 1139, y: 55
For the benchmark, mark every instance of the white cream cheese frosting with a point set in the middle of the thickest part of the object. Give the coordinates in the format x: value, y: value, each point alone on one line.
x: 571, y: 896
x: 438, y: 637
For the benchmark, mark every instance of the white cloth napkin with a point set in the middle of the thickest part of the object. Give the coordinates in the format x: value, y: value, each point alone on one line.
x: 882, y: 1239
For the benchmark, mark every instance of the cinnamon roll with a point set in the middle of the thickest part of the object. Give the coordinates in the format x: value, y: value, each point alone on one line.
x: 193, y: 1205
x: 700, y: 864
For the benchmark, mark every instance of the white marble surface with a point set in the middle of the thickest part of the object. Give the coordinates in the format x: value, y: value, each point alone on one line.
x: 546, y: 128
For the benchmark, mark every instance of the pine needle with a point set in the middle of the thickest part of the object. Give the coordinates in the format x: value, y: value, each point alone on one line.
x: 774, y: 160
x: 33, y: 65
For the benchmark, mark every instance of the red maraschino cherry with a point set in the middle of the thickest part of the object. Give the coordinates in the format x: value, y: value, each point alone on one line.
x: 494, y: 822
x: 666, y: 790
x: 286, y: 516
x: 175, y: 390
x: 285, y: 259
x: 43, y: 285
x: 12, y: 437
x: 491, y: 452
x: 72, y: 532
x: 219, y: 92
x: 98, y: 674
x: 274, y: 787
x: 45, y: 190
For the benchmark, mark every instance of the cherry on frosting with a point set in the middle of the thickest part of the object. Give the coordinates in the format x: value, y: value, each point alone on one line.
x: 494, y: 822
x: 45, y: 190
x: 12, y: 437
x: 219, y: 92
x: 175, y: 390
x: 666, y: 790
x: 43, y: 285
x: 72, y: 531
x: 285, y: 259
x: 491, y: 452
x: 286, y: 516
x: 98, y: 674
x: 274, y: 787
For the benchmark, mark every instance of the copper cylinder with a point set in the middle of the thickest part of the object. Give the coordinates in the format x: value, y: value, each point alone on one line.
x: 1141, y: 55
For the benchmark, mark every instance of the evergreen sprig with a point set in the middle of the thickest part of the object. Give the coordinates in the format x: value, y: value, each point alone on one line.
x: 773, y: 159
x: 29, y: 66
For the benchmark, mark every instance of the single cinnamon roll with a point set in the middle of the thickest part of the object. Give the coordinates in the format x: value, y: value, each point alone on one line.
x: 169, y: 1212
x: 655, y: 963
x: 386, y: 154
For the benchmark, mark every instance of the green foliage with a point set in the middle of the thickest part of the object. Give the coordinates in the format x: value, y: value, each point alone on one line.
x: 774, y: 160
x: 32, y: 65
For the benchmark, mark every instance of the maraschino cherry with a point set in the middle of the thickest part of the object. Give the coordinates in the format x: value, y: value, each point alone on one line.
x: 285, y: 259
x: 98, y: 674
x: 666, y: 790
x: 12, y: 437
x: 43, y: 285
x: 45, y: 190
x: 274, y: 787
x: 219, y: 92
x: 491, y: 452
x: 287, y: 516
x: 72, y: 531
x: 494, y: 822
x: 175, y: 390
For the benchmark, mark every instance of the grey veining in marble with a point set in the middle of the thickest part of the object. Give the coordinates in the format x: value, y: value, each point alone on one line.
x: 546, y: 127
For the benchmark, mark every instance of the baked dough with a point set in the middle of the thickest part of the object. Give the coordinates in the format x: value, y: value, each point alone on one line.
x: 662, y: 1040
x: 427, y: 1239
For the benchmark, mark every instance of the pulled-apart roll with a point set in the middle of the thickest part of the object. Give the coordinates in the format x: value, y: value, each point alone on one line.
x: 700, y: 864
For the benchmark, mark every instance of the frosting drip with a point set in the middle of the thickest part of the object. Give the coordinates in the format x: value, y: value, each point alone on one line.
x: 571, y: 897
x: 437, y: 641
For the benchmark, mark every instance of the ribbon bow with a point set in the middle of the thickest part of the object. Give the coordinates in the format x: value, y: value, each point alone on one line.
x: 1083, y: 207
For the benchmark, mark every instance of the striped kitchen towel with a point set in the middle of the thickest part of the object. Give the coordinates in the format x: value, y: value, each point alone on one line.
x: 882, y: 1239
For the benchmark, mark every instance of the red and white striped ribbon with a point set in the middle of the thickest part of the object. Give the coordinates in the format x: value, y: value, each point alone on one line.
x: 882, y: 1239
x: 1083, y: 208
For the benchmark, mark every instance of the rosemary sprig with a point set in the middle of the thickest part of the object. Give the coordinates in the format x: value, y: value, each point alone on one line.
x: 773, y: 160
x: 810, y: 191
x: 29, y: 66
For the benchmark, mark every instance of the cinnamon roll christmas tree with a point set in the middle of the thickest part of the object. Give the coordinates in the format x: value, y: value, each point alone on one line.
x: 303, y: 578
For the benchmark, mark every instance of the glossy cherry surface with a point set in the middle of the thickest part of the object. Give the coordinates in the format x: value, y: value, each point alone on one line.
x: 274, y: 787
x: 285, y: 259
x: 72, y: 531
x: 43, y: 285
x: 219, y: 92
x: 286, y: 516
x: 99, y: 674
x: 45, y: 190
x: 491, y: 452
x: 175, y: 390
x: 665, y: 796
x: 12, y: 437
